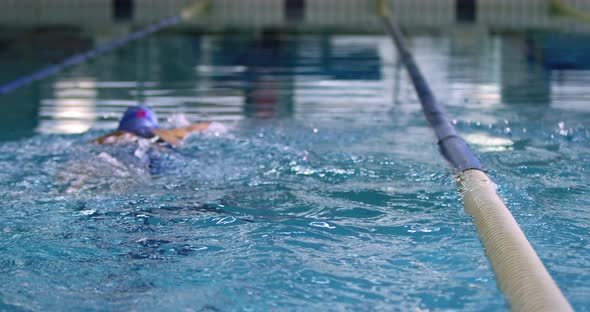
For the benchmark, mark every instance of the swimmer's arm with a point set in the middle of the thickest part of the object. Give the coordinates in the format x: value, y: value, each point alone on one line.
x: 175, y: 136
x: 116, y: 137
x: 196, y: 127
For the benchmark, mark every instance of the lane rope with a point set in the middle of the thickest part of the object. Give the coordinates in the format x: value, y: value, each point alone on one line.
x: 520, y: 273
x: 451, y: 145
x: 187, y: 13
x: 557, y: 8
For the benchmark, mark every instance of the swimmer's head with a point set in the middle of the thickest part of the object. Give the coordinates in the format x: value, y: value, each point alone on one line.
x: 140, y: 120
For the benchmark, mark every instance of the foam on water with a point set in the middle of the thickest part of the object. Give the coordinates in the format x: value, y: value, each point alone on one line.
x: 264, y: 216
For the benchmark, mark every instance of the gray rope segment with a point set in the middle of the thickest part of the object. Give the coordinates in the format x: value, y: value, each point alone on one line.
x: 453, y: 148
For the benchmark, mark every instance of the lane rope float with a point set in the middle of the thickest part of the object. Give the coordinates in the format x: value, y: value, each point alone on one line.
x: 520, y: 273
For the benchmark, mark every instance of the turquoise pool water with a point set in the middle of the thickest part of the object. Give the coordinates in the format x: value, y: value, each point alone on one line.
x: 323, y: 190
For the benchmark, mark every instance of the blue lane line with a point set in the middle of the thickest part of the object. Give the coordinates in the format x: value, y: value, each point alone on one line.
x: 452, y: 146
x: 86, y: 56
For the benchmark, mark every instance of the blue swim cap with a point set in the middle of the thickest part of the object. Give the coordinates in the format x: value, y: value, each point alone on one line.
x: 140, y: 120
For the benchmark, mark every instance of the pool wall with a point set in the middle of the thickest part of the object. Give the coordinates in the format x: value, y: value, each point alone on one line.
x: 304, y: 15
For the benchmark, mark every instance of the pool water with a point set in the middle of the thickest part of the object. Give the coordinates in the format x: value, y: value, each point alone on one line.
x: 323, y: 189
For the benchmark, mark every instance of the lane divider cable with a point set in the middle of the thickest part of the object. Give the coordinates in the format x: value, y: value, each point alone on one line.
x: 186, y: 14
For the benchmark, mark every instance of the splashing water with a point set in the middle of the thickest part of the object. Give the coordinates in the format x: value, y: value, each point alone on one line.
x: 338, y: 201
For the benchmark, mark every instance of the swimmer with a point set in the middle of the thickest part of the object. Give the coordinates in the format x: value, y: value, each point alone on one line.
x: 118, y: 169
x: 141, y: 122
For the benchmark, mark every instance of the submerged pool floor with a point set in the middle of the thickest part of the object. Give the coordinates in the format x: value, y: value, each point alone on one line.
x: 323, y: 190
